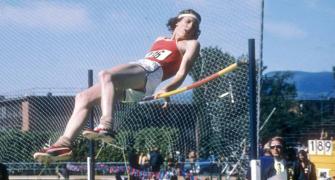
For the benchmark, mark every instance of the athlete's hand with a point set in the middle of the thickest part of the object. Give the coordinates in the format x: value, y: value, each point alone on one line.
x: 166, y: 103
x: 166, y: 100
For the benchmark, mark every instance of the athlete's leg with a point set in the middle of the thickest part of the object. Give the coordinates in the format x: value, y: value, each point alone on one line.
x: 83, y: 103
x: 121, y: 77
x: 61, y: 150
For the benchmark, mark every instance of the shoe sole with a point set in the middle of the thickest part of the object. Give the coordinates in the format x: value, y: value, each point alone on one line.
x: 46, y: 158
x: 91, y: 135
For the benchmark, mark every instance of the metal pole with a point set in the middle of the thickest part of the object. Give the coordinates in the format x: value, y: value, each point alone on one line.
x: 254, y: 163
x: 252, y: 103
x: 90, y: 158
x: 260, y: 73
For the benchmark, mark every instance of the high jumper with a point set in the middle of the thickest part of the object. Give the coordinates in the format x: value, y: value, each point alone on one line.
x: 169, y: 57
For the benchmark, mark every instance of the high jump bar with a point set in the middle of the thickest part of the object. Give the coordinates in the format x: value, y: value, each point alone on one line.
x: 198, y: 83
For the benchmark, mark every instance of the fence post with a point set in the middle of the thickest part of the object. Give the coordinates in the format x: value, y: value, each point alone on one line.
x: 254, y: 163
x: 90, y: 158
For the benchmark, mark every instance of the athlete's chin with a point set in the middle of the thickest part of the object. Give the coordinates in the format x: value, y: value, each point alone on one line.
x: 185, y: 36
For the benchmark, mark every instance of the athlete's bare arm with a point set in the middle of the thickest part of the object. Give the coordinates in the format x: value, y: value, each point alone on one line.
x: 192, y: 48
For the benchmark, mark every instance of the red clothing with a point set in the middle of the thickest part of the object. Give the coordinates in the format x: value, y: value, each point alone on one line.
x: 166, y: 53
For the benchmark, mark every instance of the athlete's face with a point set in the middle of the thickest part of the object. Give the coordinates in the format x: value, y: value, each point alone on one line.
x: 187, y: 27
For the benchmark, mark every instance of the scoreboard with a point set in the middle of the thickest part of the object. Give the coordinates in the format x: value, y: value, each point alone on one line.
x: 322, y: 154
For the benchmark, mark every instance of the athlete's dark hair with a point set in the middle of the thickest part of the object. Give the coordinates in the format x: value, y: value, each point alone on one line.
x: 173, y: 21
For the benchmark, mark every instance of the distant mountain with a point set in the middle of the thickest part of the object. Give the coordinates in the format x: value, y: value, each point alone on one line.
x: 310, y: 86
x: 313, y: 85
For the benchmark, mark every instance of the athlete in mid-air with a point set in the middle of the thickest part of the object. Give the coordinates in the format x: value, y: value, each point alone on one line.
x: 169, y: 57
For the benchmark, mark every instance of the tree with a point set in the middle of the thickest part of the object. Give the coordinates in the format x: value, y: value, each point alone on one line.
x: 278, y: 92
x: 221, y: 123
x: 211, y: 61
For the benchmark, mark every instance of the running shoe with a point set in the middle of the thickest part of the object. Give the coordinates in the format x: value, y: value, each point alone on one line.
x: 53, y: 153
x: 98, y: 133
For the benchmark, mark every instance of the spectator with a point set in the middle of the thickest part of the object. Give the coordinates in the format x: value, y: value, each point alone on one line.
x: 192, y: 156
x: 170, y: 170
x: 281, y: 166
x: 155, y: 161
x: 180, y: 160
x: 62, y: 172
x: 143, y: 162
x: 307, y: 168
x: 191, y: 160
x: 292, y: 163
x: 211, y: 157
x: 170, y: 161
x: 266, y: 160
x: 3, y: 172
x: 133, y: 158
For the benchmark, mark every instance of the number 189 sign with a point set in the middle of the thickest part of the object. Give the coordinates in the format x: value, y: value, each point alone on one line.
x: 320, y: 147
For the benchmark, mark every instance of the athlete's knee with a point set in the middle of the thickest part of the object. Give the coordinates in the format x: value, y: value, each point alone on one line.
x: 106, y: 76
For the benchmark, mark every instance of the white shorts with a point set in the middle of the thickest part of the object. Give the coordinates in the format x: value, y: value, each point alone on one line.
x: 154, y: 77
